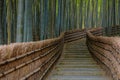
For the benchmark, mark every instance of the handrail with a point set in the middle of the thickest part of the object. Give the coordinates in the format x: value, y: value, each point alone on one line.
x: 106, y: 51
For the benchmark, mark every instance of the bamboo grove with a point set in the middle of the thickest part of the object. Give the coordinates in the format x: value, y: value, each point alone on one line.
x: 32, y: 20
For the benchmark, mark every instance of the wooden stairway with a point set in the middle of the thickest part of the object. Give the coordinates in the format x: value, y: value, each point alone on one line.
x: 77, y: 63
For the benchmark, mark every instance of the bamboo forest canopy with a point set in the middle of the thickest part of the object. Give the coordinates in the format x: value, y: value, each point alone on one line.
x: 32, y: 20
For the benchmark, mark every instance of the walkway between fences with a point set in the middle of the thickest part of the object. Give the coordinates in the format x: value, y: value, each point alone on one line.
x: 77, y: 63
x: 35, y: 60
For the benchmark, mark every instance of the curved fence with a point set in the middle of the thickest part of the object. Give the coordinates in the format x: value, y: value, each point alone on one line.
x: 33, y: 60
x: 105, y: 50
x: 29, y: 61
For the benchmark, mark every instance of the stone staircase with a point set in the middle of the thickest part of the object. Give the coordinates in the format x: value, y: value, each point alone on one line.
x: 77, y: 63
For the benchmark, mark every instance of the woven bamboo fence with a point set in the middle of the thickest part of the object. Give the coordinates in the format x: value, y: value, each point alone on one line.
x: 113, y: 31
x: 31, y: 60
x: 34, y: 60
x: 105, y: 50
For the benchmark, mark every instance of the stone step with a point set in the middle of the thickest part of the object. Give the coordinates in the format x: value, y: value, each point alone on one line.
x: 76, y: 63
x: 80, y: 78
x: 85, y: 51
x: 82, y: 72
x: 61, y: 68
x: 78, y: 54
x: 78, y: 60
x: 77, y: 48
x: 77, y: 66
x: 79, y: 69
x: 85, y: 54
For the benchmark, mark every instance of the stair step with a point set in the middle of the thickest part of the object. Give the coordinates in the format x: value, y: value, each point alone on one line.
x: 78, y: 66
x: 76, y: 63
x: 78, y: 50
x: 79, y: 69
x: 76, y: 72
x: 77, y: 53
x: 80, y: 56
x: 78, y: 60
x: 71, y: 68
x: 80, y: 78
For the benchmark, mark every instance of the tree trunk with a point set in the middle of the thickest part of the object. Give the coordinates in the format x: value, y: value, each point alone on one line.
x: 1, y: 25
x: 20, y: 21
x: 28, y: 21
x: 114, y: 18
x: 8, y: 3
x: 13, y: 20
